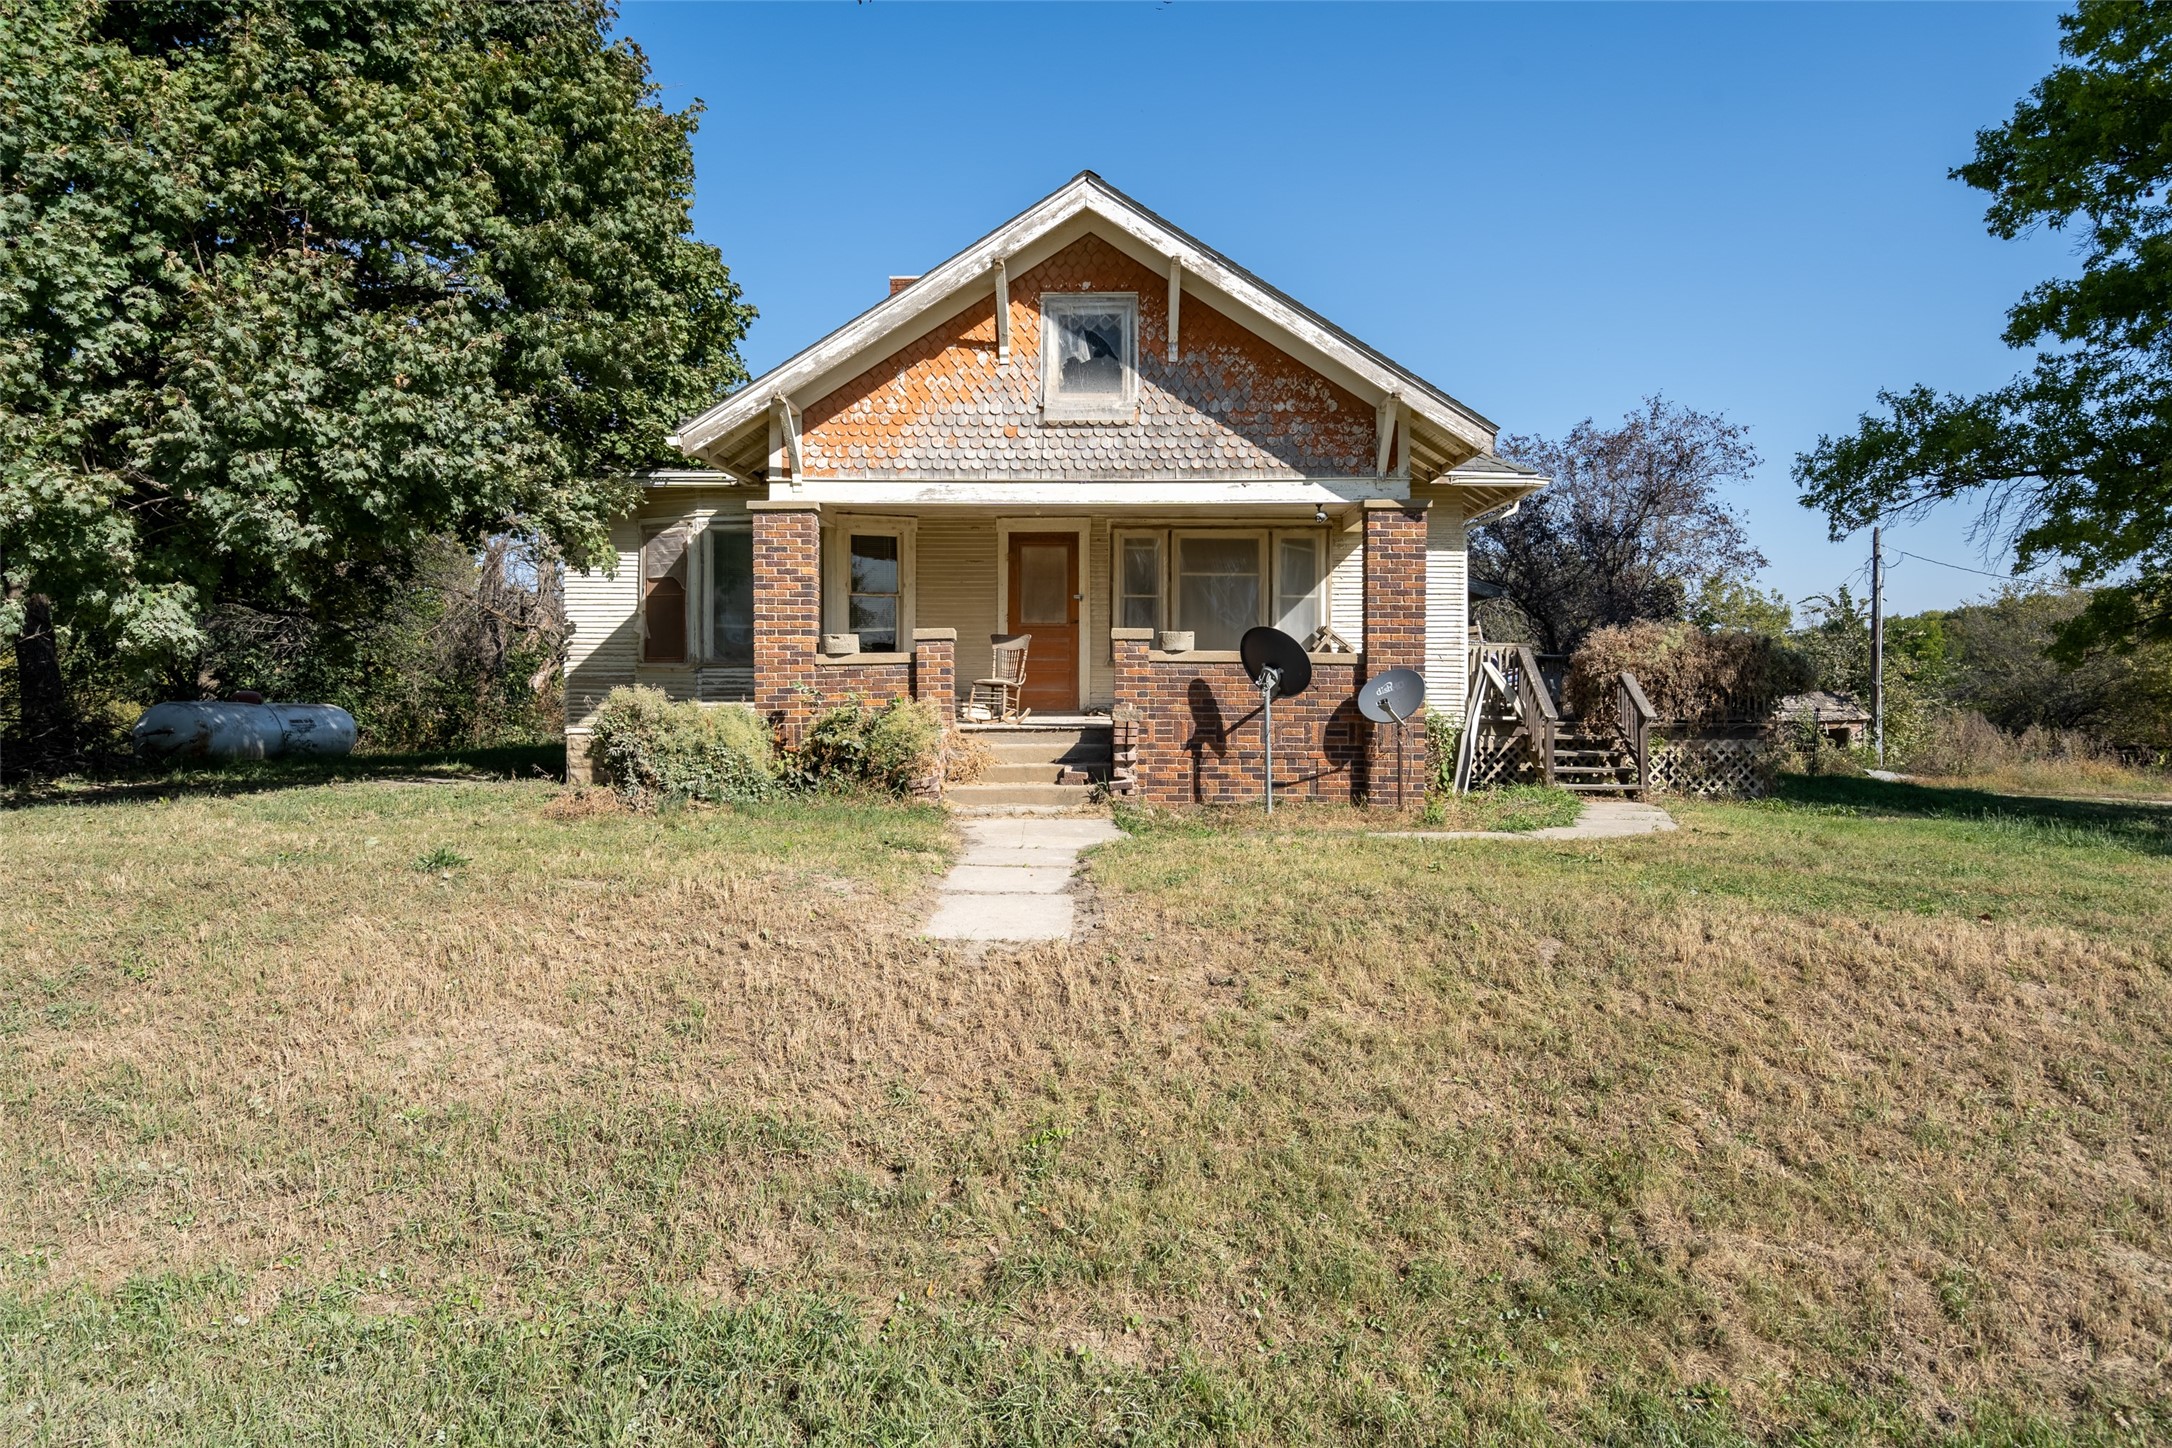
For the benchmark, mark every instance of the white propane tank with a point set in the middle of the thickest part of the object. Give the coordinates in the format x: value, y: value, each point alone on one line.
x: 228, y: 729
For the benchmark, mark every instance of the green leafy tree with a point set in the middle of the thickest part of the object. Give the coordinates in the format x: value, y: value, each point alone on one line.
x: 1727, y: 603
x: 289, y: 293
x: 2073, y: 459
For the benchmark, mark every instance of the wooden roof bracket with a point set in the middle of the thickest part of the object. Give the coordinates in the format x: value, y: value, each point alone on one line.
x: 1176, y: 298
x: 1388, y: 425
x: 1003, y: 312
x: 788, y: 424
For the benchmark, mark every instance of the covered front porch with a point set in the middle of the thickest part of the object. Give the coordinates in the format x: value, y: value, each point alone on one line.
x: 879, y: 598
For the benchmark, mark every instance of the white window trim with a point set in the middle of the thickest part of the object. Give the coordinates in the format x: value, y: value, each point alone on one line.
x: 837, y: 572
x: 1323, y: 570
x: 1117, y: 538
x: 717, y: 523
x: 1173, y: 598
x: 649, y: 530
x: 1126, y: 408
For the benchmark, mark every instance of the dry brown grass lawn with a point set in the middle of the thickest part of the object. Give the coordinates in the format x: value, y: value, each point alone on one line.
x: 1838, y: 1118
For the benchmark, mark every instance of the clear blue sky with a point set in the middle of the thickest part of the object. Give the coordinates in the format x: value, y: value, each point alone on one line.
x: 1550, y: 210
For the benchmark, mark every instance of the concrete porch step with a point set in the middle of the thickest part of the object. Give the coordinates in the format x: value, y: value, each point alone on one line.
x: 1045, y: 746
x: 1002, y: 796
x: 1014, y: 771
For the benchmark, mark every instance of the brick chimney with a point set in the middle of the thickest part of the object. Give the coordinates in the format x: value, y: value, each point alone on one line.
x: 899, y: 284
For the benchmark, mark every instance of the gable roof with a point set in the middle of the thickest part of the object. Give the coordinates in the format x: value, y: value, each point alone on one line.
x: 733, y: 435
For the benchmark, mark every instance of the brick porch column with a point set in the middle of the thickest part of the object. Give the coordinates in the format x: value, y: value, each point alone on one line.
x: 935, y: 669
x: 1128, y: 721
x: 1394, y: 637
x: 787, y: 609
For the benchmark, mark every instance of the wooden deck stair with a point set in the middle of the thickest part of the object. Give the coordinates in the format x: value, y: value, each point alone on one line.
x: 1588, y: 762
x: 1586, y: 756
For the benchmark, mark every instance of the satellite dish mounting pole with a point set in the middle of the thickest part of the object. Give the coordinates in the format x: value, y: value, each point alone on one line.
x: 1398, y: 755
x: 1269, y: 677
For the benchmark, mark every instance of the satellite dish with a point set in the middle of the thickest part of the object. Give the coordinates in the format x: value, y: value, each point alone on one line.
x: 1392, y: 697
x: 1277, y: 665
x: 1266, y: 648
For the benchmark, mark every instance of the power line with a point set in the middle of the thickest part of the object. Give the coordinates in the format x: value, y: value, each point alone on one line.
x: 1964, y: 568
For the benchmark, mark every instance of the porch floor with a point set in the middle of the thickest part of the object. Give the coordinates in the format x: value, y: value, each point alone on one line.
x: 1036, y: 721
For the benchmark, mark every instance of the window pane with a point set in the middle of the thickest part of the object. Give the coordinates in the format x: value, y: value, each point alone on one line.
x: 1090, y: 351
x: 1297, y: 581
x: 1218, y: 595
x: 1218, y: 608
x: 1142, y: 566
x: 731, y: 596
x: 873, y: 616
x: 1141, y: 612
x: 874, y: 563
x: 1044, y: 584
x: 665, y: 610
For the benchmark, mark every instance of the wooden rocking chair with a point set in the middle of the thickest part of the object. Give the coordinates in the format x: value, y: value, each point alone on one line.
x: 996, y: 697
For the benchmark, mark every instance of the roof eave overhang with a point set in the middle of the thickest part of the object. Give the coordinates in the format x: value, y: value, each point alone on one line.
x: 727, y: 429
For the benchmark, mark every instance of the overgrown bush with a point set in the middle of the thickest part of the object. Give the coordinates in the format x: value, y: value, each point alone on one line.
x: 897, y: 746
x: 1687, y: 673
x: 1443, y: 738
x: 652, y: 747
x: 1962, y: 742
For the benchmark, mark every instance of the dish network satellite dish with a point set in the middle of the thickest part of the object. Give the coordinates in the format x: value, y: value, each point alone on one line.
x: 1279, y: 668
x: 1392, y: 698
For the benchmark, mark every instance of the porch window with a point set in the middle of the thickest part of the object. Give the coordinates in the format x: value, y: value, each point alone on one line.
x: 1138, y: 580
x: 1222, y: 582
x: 875, y: 598
x: 731, y: 595
x: 1090, y: 355
x: 1220, y: 586
x: 1300, y: 601
x: 663, y: 596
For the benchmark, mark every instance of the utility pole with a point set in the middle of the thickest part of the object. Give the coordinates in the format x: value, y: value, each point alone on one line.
x: 1877, y: 644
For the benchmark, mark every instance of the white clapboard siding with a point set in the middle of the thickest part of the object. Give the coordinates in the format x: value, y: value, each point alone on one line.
x: 955, y: 571
x: 1346, y: 585
x: 1094, y: 616
x: 1447, y: 608
x: 601, y: 609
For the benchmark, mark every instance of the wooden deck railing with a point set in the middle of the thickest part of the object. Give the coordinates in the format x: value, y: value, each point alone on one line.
x: 1540, y: 718
x: 1633, y: 712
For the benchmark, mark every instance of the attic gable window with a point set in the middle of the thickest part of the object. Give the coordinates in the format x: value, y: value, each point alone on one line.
x: 1090, y: 356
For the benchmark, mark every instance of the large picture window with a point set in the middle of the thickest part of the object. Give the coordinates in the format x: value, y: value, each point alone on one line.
x: 1218, y: 583
x: 1221, y: 582
x: 731, y: 595
x: 1090, y: 355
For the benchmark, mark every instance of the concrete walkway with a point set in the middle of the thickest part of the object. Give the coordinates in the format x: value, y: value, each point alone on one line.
x: 1602, y: 819
x: 1014, y: 880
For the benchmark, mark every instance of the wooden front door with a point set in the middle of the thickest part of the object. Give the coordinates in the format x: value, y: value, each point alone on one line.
x: 1044, y: 602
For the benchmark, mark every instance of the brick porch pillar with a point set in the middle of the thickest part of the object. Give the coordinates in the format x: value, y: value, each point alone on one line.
x: 1128, y: 722
x: 787, y: 609
x: 935, y: 668
x: 1394, y: 637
